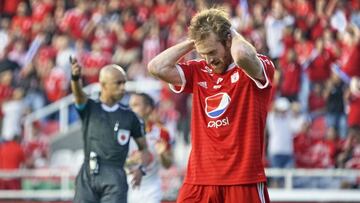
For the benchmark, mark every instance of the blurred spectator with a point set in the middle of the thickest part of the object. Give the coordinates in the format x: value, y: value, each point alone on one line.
x: 280, y: 149
x: 350, y: 155
x: 12, y: 157
x: 13, y: 111
x: 9, y: 7
x: 334, y: 95
x: 302, y: 143
x: 298, y: 118
x: 37, y: 149
x: 21, y: 22
x: 319, y: 68
x: 76, y: 20
x: 18, y: 52
x: 324, y: 152
x: 64, y: 51
x: 317, y: 103
x: 5, y: 36
x: 275, y: 24
x: 93, y: 61
x: 55, y: 82
x: 290, y: 75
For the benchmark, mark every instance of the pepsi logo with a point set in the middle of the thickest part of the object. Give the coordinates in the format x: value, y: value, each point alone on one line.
x: 216, y: 105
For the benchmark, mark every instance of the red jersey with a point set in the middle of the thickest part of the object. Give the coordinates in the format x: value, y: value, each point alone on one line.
x: 11, y: 155
x: 228, y: 121
x: 351, y: 68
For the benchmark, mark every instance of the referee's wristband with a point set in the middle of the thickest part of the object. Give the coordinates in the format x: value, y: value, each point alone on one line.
x: 75, y: 77
x: 142, y: 169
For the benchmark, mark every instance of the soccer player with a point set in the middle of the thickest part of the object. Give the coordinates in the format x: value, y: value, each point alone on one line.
x: 158, y: 140
x: 231, y: 87
x: 107, y: 127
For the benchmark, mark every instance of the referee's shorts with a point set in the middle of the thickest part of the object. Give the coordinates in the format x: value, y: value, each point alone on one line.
x: 109, y: 186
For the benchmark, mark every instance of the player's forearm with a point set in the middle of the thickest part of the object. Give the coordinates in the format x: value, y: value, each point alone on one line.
x: 244, y: 55
x: 166, y: 159
x: 79, y: 94
x: 167, y: 59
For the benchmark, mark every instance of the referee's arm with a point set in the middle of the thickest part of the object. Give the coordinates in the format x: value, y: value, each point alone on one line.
x: 76, y: 85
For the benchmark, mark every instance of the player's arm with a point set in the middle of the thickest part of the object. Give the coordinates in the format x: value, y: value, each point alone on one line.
x: 76, y: 83
x: 244, y: 55
x: 163, y: 65
x: 165, y: 153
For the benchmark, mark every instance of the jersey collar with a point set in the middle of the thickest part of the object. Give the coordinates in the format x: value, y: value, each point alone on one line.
x: 108, y: 108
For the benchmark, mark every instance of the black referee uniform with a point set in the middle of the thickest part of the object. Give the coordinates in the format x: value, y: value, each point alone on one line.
x: 106, y: 133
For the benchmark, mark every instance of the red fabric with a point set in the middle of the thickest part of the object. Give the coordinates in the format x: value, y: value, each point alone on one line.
x: 5, y: 92
x: 74, y: 22
x: 11, y: 6
x: 162, y: 136
x: 352, y: 65
x: 11, y: 155
x: 162, y: 14
x: 106, y: 40
x: 22, y: 24
x: 94, y: 62
x: 316, y: 101
x: 228, y: 122
x: 352, y: 68
x: 46, y: 53
x: 10, y: 184
x: 323, y: 154
x: 291, y: 78
x: 40, y: 10
x: 303, y: 50
x: 55, y: 85
x: 319, y: 70
x: 302, y: 143
x: 354, y: 112
x: 302, y: 8
x: 220, y: 194
x: 354, y: 161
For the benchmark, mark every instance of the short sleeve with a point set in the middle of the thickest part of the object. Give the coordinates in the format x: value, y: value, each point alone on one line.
x: 137, y: 127
x: 186, y: 72
x: 268, y: 71
x: 84, y: 109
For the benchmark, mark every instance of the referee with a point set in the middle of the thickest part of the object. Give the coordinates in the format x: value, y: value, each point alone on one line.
x: 106, y: 126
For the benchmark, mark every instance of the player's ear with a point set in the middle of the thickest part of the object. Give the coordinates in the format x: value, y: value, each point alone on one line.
x: 228, y: 40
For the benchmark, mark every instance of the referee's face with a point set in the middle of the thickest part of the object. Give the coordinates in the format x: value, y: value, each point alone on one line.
x: 114, y: 87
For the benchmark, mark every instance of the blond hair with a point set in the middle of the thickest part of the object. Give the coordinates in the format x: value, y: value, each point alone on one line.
x: 213, y: 20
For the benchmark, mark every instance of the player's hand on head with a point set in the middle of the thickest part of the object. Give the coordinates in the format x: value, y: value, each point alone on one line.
x: 75, y: 67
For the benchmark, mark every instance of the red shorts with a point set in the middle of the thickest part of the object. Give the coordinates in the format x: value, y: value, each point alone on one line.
x: 251, y: 193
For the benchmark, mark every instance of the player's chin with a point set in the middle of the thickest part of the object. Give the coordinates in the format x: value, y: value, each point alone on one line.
x: 219, y: 69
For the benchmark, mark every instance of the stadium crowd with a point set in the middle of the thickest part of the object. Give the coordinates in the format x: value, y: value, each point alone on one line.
x: 315, y: 119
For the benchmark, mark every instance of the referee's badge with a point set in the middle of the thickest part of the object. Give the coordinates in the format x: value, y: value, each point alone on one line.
x: 123, y: 136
